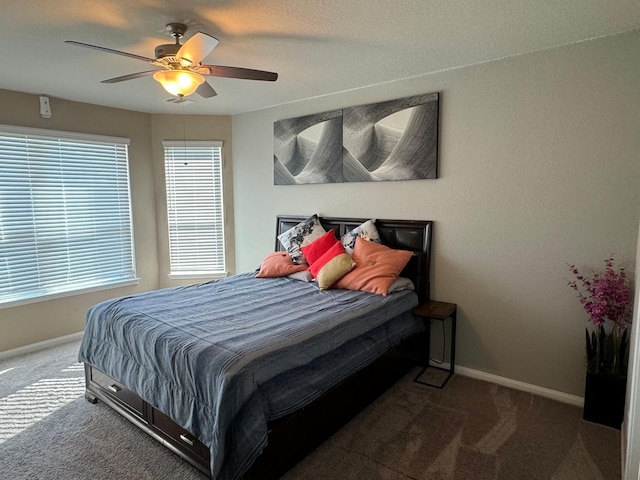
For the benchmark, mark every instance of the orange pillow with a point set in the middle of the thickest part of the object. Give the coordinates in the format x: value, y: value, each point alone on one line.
x: 279, y: 264
x: 319, y: 246
x: 377, y: 267
x: 331, y: 266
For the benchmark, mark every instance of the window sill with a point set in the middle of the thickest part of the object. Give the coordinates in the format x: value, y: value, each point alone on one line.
x: 202, y: 276
x: 54, y: 296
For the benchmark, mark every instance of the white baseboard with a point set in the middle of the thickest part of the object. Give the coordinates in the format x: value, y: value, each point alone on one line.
x: 518, y: 385
x: 34, y: 347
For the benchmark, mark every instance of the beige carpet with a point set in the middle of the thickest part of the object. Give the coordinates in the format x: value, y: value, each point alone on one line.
x: 468, y: 430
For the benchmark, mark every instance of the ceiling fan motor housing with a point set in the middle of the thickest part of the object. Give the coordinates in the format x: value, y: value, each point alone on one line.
x: 167, y: 50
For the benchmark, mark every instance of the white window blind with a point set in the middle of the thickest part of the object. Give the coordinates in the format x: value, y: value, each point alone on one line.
x: 193, y: 172
x: 65, y: 215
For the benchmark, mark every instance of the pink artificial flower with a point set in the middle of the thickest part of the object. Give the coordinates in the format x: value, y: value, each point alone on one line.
x: 606, y: 296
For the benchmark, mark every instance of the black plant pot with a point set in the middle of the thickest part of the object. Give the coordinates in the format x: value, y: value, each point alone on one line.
x: 604, y: 397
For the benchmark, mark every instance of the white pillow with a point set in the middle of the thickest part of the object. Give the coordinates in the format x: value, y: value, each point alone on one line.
x: 366, y: 230
x: 302, y: 234
x: 401, y: 283
x: 304, y: 276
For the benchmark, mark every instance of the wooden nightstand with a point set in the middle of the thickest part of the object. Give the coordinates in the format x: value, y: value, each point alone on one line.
x: 439, y: 311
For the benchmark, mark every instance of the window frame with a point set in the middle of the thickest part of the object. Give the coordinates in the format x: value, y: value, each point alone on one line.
x: 221, y: 241
x: 129, y: 276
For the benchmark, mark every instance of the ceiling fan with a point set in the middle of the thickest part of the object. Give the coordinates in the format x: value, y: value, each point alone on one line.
x: 182, y: 72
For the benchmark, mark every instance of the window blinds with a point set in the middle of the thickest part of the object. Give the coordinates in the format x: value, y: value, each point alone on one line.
x: 65, y: 215
x: 193, y: 172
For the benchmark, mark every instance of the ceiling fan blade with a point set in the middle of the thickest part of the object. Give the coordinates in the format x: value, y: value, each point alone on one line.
x: 197, y: 48
x: 110, y: 50
x: 238, y: 72
x: 129, y: 77
x: 205, y: 90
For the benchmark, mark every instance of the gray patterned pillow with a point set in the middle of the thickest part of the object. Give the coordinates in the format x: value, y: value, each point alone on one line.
x: 367, y: 230
x: 302, y: 234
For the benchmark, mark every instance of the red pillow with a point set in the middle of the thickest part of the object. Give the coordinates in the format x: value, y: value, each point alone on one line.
x: 279, y: 264
x: 331, y: 266
x: 377, y: 267
x: 319, y: 246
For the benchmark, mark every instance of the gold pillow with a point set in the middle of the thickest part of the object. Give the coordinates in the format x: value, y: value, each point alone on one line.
x: 331, y: 265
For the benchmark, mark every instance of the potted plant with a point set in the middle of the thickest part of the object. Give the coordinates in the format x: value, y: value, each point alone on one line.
x: 606, y: 298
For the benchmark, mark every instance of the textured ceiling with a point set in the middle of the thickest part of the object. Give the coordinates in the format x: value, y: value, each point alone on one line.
x: 318, y: 47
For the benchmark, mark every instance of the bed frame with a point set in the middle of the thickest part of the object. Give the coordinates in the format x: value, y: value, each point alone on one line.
x: 293, y: 437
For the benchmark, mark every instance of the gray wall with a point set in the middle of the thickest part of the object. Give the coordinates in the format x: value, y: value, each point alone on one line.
x: 35, y: 322
x: 27, y: 324
x: 195, y: 127
x: 539, y: 166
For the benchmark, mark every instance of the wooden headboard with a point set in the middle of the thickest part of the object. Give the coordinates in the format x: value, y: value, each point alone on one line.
x: 412, y: 235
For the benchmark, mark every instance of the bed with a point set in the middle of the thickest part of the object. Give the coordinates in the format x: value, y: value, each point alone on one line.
x: 244, y: 376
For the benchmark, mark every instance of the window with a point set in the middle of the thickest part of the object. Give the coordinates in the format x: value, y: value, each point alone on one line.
x: 193, y: 172
x: 65, y: 214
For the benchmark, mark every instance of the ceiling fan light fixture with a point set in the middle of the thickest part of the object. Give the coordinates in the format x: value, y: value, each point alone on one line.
x: 179, y: 83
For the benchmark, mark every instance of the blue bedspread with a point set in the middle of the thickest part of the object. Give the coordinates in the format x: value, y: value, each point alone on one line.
x: 223, y: 358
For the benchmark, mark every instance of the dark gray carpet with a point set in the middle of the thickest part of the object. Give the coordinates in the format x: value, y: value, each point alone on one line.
x: 469, y: 430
